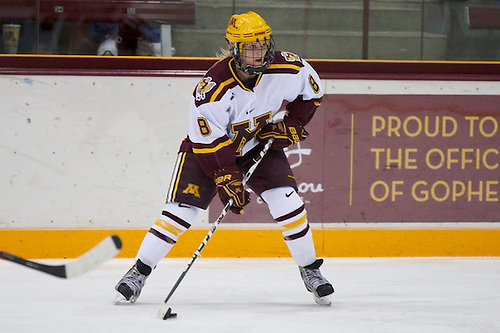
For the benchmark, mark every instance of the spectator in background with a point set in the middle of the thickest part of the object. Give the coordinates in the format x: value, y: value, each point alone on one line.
x: 138, y: 39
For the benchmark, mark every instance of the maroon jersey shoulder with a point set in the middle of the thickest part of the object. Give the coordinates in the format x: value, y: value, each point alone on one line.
x: 285, y: 62
x: 214, y: 84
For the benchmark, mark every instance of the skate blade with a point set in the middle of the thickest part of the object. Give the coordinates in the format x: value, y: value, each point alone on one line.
x: 323, y: 301
x: 120, y: 300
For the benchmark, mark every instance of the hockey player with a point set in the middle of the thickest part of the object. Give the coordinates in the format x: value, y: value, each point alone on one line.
x: 233, y: 110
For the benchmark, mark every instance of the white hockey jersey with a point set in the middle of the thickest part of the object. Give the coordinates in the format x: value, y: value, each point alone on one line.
x: 224, y: 112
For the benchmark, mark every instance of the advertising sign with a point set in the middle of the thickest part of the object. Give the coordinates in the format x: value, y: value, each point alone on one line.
x: 396, y: 158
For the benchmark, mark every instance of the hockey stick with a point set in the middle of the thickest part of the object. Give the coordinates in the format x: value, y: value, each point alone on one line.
x: 105, y: 250
x: 166, y: 312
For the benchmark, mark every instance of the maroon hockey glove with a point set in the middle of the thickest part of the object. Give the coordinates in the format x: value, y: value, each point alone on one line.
x: 230, y: 186
x: 285, y: 133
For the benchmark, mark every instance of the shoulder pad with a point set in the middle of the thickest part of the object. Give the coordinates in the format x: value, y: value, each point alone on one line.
x: 285, y: 62
x: 212, y: 87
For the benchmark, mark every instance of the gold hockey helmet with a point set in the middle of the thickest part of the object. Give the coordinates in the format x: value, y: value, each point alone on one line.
x: 249, y: 28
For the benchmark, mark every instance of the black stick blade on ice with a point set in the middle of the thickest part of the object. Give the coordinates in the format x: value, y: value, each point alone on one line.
x: 169, y: 314
x: 99, y: 254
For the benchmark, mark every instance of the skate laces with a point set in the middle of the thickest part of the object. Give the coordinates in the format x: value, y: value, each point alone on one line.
x: 316, y: 283
x: 312, y: 277
x: 134, y: 279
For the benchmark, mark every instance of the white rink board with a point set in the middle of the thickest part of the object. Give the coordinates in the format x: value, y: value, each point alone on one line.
x: 82, y: 151
x: 98, y: 152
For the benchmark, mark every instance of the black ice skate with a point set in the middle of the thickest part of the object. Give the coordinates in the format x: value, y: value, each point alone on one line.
x: 316, y: 283
x: 130, y: 286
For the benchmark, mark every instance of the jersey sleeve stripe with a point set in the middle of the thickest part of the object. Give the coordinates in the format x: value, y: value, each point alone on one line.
x: 210, y: 150
x: 221, y: 88
x: 283, y: 68
x: 297, y: 68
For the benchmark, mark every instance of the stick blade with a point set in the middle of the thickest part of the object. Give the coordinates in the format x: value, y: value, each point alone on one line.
x: 102, y: 252
x: 164, y: 309
x: 99, y: 254
x: 169, y: 314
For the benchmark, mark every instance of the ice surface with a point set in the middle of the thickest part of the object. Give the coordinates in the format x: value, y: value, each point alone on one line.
x: 261, y: 295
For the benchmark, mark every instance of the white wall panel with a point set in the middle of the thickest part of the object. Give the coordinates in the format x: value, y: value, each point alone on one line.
x: 80, y: 151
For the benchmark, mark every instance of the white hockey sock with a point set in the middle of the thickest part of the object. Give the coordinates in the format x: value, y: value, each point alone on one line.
x: 298, y: 236
x: 288, y: 210
x: 302, y: 249
x: 152, y: 250
x: 164, y: 232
